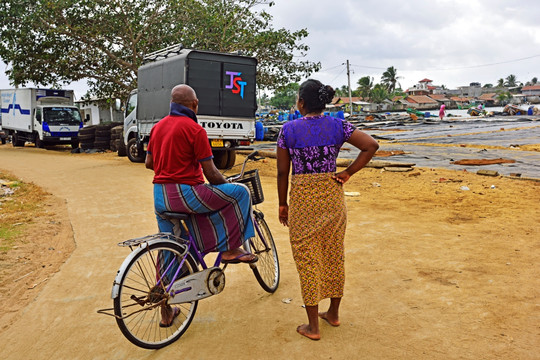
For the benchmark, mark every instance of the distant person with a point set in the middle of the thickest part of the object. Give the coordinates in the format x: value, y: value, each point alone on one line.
x: 442, y: 112
x: 317, y: 214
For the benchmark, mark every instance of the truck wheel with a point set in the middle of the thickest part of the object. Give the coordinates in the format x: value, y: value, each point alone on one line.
x: 3, y: 141
x: 231, y: 158
x: 39, y: 143
x: 17, y: 141
x: 220, y: 158
x: 134, y: 151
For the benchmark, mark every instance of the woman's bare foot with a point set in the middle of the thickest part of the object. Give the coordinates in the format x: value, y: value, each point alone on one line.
x: 329, y: 319
x: 305, y: 330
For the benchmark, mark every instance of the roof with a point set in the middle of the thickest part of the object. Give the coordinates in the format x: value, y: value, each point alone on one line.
x: 345, y: 99
x: 459, y: 99
x: 487, y: 96
x: 420, y: 99
x: 426, y: 80
x: 531, y: 87
x: 439, y: 97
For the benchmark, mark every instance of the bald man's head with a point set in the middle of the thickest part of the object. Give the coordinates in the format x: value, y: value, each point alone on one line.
x: 185, y: 95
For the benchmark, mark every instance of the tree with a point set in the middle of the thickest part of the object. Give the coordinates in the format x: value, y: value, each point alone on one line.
x: 342, y: 91
x: 379, y: 93
x: 533, y: 81
x: 285, y: 98
x: 487, y: 86
x: 365, y: 84
x: 511, y: 81
x: 54, y: 42
x: 389, y: 79
x: 504, y: 97
x: 500, y: 83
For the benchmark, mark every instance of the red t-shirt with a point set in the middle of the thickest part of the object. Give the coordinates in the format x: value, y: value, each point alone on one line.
x: 177, y: 145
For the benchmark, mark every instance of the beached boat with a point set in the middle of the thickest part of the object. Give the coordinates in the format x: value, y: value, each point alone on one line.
x: 475, y: 112
x: 513, y: 110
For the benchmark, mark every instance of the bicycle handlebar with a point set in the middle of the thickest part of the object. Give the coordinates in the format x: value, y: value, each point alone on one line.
x: 250, y: 157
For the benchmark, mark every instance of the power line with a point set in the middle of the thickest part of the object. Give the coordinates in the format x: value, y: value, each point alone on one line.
x: 443, y: 69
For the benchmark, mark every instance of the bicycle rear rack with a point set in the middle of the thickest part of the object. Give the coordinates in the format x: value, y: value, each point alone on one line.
x: 158, y: 236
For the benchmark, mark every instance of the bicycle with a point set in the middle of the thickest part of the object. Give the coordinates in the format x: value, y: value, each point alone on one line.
x: 165, y: 272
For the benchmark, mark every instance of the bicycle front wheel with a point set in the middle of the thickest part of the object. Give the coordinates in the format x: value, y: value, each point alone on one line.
x: 266, y: 270
x: 142, y: 302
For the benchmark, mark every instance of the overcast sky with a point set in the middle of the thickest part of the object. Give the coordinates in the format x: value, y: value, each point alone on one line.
x: 452, y: 42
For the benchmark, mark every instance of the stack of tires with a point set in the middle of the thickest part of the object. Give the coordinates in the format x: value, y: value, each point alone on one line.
x: 102, y: 140
x: 98, y: 137
x: 117, y: 141
x: 87, y: 136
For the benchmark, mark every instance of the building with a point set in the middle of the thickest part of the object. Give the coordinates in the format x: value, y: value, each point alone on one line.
x: 424, y: 87
x: 488, y: 99
x: 532, y: 90
x: 422, y: 102
x: 95, y: 112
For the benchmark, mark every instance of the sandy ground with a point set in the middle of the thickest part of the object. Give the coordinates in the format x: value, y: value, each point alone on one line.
x: 433, y: 271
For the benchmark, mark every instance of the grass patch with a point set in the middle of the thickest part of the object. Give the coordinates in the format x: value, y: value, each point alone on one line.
x: 18, y: 209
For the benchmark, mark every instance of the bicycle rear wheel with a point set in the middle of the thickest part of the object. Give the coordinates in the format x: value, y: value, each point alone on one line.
x: 142, y: 297
x: 266, y: 270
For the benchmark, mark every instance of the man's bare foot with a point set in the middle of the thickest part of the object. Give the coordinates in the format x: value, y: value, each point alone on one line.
x: 305, y: 330
x: 329, y: 319
x: 236, y: 256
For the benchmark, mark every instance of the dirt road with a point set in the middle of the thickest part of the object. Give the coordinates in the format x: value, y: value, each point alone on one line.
x: 433, y: 271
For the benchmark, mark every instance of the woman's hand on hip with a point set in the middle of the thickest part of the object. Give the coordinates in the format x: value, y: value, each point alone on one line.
x: 284, y: 215
x: 341, y: 177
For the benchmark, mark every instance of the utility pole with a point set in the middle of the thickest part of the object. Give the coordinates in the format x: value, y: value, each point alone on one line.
x: 349, y: 83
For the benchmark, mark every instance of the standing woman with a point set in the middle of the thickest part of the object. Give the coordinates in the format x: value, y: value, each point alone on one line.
x: 317, y: 215
x: 442, y: 112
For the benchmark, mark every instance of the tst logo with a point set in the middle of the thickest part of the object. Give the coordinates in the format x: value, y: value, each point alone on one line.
x: 236, y: 85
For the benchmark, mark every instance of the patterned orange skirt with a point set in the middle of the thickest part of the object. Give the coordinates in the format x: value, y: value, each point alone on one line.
x: 317, y: 222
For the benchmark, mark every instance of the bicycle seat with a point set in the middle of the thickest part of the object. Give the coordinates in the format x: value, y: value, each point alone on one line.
x: 175, y: 215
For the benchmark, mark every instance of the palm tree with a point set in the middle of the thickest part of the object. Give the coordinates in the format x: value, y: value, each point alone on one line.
x: 365, y: 84
x: 500, y: 82
x: 389, y: 79
x: 379, y: 93
x: 511, y: 81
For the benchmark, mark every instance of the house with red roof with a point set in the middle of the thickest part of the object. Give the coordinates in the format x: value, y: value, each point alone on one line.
x: 441, y: 99
x: 489, y: 99
x: 424, y: 87
x: 531, y: 90
x: 421, y: 102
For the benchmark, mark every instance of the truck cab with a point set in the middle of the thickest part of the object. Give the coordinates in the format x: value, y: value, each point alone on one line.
x: 41, y: 116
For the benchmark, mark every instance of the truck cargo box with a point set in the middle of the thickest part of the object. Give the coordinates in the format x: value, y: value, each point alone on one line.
x: 224, y: 83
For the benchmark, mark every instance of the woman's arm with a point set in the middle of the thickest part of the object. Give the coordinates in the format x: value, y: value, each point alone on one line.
x: 283, y: 169
x: 367, y: 145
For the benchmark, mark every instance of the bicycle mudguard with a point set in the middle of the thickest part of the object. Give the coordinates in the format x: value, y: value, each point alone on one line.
x: 143, y: 246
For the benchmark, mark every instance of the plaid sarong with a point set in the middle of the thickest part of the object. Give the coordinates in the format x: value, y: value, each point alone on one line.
x: 220, y: 215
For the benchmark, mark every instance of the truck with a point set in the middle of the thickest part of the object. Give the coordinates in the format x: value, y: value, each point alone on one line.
x: 41, y: 116
x: 225, y: 87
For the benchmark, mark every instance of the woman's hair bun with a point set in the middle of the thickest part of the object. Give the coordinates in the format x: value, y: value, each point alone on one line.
x: 326, y: 94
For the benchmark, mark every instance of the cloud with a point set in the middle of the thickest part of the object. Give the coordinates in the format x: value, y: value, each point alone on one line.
x: 452, y: 42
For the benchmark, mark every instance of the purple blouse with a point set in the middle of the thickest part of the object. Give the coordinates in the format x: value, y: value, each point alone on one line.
x: 314, y: 142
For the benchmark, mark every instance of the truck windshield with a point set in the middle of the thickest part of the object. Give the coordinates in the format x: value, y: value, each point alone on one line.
x: 61, y: 116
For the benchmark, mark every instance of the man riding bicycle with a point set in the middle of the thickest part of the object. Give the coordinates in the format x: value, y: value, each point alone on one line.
x: 219, y: 212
